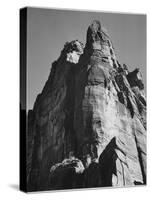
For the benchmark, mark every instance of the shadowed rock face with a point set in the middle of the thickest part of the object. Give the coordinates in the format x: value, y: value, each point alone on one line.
x: 88, y: 127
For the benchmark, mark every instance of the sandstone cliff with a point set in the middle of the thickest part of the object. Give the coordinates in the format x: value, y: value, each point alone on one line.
x: 88, y: 125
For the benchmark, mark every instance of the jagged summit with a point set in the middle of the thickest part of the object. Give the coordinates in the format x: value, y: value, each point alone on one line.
x: 88, y: 126
x: 72, y: 50
x: 99, y: 43
x: 74, y: 45
x: 96, y: 32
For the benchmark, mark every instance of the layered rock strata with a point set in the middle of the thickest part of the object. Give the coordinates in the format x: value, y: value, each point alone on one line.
x: 88, y: 125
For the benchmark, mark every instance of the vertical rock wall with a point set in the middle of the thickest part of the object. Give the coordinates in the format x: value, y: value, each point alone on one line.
x: 89, y: 122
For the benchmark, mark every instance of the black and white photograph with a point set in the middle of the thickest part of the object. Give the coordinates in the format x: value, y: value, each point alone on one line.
x: 82, y: 99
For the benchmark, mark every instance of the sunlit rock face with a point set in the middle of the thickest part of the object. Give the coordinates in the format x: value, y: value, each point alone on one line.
x: 107, y: 113
x: 89, y: 126
x: 73, y: 50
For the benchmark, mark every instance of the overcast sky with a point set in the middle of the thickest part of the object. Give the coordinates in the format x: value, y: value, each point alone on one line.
x: 48, y: 30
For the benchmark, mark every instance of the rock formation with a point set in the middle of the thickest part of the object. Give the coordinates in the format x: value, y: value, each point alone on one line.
x: 88, y: 125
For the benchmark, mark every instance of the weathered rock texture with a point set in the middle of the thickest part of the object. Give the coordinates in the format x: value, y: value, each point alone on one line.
x: 88, y: 126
